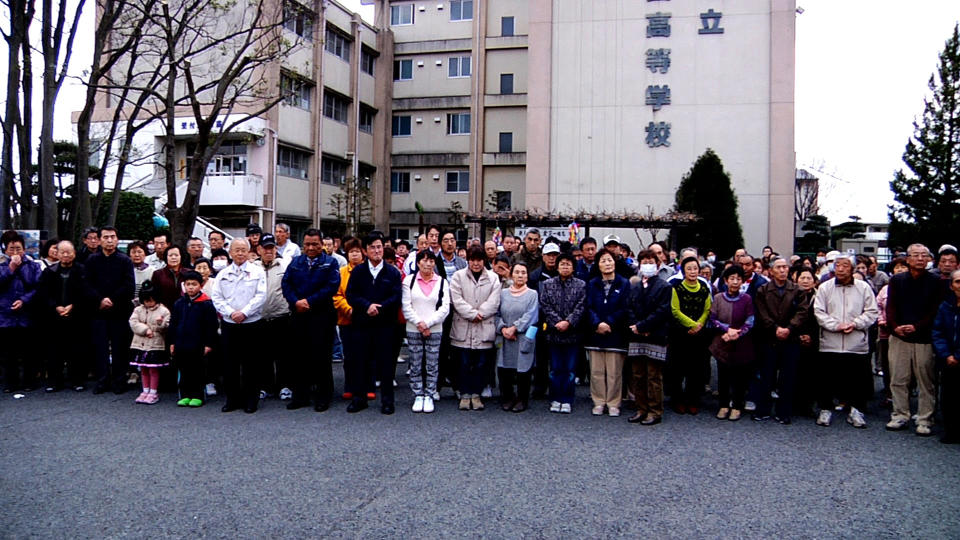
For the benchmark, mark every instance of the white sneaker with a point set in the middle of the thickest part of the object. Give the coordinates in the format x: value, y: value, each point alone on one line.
x: 824, y: 418
x: 377, y: 384
x: 896, y: 424
x: 211, y: 389
x: 401, y: 360
x: 286, y: 394
x: 263, y: 394
x: 427, y: 404
x: 487, y: 392
x: 855, y: 418
x: 418, y: 404
x: 565, y: 408
x: 337, y: 359
x: 394, y: 383
x: 750, y: 406
x: 436, y: 396
x: 554, y: 406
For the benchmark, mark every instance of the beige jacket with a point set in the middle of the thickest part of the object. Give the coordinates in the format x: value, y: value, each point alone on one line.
x: 143, y: 319
x: 469, y: 297
x: 839, y: 304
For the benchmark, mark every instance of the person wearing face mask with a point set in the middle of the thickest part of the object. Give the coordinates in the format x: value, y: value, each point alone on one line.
x: 648, y: 323
x: 219, y: 259
x: 827, y: 270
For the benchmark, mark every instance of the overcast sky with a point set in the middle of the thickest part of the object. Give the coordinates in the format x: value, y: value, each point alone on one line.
x: 862, y: 71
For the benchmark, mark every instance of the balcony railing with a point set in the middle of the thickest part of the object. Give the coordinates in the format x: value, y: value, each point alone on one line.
x: 229, y: 190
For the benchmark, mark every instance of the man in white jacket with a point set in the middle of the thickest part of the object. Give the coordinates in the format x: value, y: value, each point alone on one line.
x: 845, y: 309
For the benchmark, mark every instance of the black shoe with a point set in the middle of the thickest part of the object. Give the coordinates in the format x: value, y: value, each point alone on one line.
x: 759, y: 417
x: 386, y: 409
x: 229, y: 407
x: 250, y: 409
x: 97, y: 390
x: 294, y: 405
x: 785, y: 420
x: 357, y: 405
x: 637, y: 418
x: 321, y: 406
x: 651, y: 421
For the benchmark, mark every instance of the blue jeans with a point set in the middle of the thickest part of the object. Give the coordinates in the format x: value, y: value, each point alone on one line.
x: 337, y: 345
x: 563, y: 360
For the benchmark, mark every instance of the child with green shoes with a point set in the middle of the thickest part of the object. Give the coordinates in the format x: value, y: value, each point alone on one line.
x: 192, y: 334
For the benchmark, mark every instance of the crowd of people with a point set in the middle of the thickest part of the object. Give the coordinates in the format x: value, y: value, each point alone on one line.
x: 791, y: 337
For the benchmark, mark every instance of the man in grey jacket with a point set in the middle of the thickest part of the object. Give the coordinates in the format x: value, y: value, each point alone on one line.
x: 845, y: 309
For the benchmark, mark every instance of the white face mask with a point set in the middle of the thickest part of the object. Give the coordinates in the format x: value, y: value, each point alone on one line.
x: 821, y: 260
x: 830, y: 267
x: 219, y: 264
x: 648, y: 270
x: 711, y: 258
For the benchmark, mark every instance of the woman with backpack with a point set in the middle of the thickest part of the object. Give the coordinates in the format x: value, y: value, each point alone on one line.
x: 425, y: 302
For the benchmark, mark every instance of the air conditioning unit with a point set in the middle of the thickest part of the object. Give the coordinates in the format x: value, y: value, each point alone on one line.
x: 419, y: 120
x: 436, y: 177
x: 419, y: 63
x: 416, y: 177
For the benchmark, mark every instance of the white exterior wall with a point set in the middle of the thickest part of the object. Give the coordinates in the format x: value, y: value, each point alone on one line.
x: 720, y: 89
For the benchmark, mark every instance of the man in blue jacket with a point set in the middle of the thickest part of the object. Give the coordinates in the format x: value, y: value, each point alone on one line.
x: 309, y: 284
x: 946, y: 344
x: 374, y: 292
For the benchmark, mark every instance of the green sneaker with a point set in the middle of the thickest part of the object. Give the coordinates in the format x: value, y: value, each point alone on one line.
x: 183, y: 402
x: 196, y: 402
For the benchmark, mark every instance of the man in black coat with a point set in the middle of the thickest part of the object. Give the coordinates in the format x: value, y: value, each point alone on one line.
x: 65, y: 303
x: 374, y: 292
x: 110, y: 275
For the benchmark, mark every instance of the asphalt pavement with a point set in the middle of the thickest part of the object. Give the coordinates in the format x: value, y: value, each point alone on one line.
x: 85, y: 466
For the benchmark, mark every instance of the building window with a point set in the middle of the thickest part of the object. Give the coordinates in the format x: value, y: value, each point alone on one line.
x: 230, y: 159
x: 504, y: 201
x: 400, y: 182
x: 401, y: 15
x: 298, y: 19
x: 293, y: 163
x: 461, y: 10
x: 333, y: 171
x: 337, y: 44
x: 506, y: 83
x: 506, y: 26
x: 367, y: 61
x: 458, y: 124
x: 335, y: 107
x: 458, y: 182
x: 400, y: 234
x: 506, y: 142
x: 366, y: 119
x: 459, y: 66
x: 401, y: 126
x: 403, y: 70
x: 296, y: 91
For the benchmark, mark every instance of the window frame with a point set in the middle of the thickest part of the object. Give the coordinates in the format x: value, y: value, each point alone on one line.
x: 400, y: 62
x: 458, y: 61
x: 462, y: 122
x: 297, y: 161
x: 296, y: 15
x: 512, y: 79
x: 513, y: 26
x: 333, y: 40
x: 330, y: 177
x: 364, y: 110
x: 399, y: 7
x: 301, y: 91
x: 368, y: 61
x: 397, y: 123
x: 461, y: 176
x: 459, y: 10
x: 399, y: 180
x: 334, y: 102
x: 500, y: 146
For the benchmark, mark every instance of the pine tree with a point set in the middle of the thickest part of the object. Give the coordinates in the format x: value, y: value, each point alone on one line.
x: 927, y: 205
x: 706, y: 192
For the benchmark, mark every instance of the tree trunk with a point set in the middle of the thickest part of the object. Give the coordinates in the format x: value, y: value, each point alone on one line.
x: 28, y: 210
x: 12, y: 115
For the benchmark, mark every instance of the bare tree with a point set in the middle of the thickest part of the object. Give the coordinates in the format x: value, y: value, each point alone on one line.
x: 56, y: 60
x: 16, y: 126
x: 806, y: 195
x: 220, y: 53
